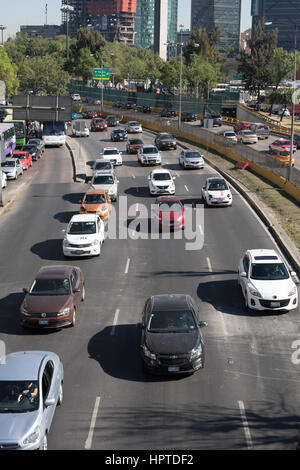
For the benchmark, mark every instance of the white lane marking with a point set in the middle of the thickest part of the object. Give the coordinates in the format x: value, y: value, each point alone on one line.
x: 186, y: 188
x: 112, y: 331
x: 88, y: 442
x: 209, y: 264
x: 245, y: 424
x: 127, y: 266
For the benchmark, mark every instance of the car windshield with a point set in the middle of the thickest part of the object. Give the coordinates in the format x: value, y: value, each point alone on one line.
x: 172, y: 322
x: 59, y: 286
x: 192, y: 155
x: 161, y: 176
x: 170, y: 206
x: 103, y: 179
x: 150, y: 150
x: 166, y: 136
x: 111, y: 152
x: 94, y: 199
x: 229, y: 134
x: 18, y: 396
x: 247, y: 133
x: 8, y: 164
x: 82, y: 228
x: 269, y: 271
x: 19, y: 155
x: 134, y: 124
x: 103, y: 165
x: 217, y: 186
x: 119, y: 131
x: 135, y: 142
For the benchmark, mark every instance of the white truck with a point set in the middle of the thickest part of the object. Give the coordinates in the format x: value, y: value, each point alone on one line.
x: 80, y: 129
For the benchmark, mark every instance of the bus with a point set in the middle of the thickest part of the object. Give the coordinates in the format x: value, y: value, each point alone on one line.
x: 8, y: 138
x: 20, y: 127
x: 54, y: 133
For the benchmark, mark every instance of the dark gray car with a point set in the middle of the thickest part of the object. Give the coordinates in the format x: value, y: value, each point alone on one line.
x: 171, y: 340
x: 33, y: 150
x: 39, y: 143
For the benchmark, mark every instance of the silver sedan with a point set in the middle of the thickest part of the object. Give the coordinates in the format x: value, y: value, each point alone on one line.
x: 31, y: 386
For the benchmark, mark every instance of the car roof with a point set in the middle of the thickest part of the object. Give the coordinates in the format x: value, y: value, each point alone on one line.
x: 161, y: 170
x: 264, y: 256
x: 95, y: 191
x: 84, y: 217
x: 23, y: 365
x: 55, y: 270
x: 171, y: 302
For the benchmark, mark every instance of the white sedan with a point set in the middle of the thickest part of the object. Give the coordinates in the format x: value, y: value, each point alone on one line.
x: 247, y: 137
x: 266, y: 282
x: 84, y: 235
x: 113, y: 155
x: 216, y: 192
x: 133, y: 127
x: 161, y: 182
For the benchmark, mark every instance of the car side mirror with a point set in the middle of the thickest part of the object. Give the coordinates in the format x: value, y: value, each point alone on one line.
x: 25, y: 289
x: 174, y: 177
x: 243, y: 274
x: 50, y: 402
x: 203, y: 323
x: 292, y: 273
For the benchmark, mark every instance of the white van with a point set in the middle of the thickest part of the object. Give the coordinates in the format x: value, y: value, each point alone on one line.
x: 80, y: 129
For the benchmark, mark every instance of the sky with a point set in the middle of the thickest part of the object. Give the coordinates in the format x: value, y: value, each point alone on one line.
x: 32, y: 12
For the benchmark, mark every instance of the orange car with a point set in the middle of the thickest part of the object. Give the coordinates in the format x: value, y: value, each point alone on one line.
x: 96, y: 201
x: 282, y: 155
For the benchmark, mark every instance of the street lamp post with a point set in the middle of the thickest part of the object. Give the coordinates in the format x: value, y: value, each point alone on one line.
x: 180, y: 86
x: 2, y: 28
x: 268, y: 23
x: 67, y: 9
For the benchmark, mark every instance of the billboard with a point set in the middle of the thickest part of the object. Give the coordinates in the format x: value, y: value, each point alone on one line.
x: 42, y: 108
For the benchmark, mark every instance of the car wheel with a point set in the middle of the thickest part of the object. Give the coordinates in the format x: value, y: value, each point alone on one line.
x: 73, y: 317
x: 60, y: 395
x: 16, y: 177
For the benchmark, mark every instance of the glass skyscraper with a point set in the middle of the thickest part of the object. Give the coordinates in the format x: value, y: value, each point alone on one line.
x: 145, y: 23
x: 223, y: 13
x: 286, y: 11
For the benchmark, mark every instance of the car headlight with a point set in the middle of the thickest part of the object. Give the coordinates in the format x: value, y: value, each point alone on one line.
x: 65, y: 311
x: 65, y: 242
x: 103, y: 209
x: 253, y: 291
x: 96, y: 242
x: 32, y: 437
x: 196, y: 352
x: 148, y: 353
x: 293, y: 291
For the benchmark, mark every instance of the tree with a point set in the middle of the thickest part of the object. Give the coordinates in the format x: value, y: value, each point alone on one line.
x: 256, y: 67
x: 43, y: 75
x: 8, y: 73
x: 201, y: 74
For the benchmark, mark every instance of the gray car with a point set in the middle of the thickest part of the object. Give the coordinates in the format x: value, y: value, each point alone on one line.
x: 31, y: 386
x: 39, y: 143
x: 106, y: 180
x: 12, y: 167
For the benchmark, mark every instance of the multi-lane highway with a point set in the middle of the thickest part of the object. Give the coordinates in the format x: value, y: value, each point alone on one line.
x: 247, y: 396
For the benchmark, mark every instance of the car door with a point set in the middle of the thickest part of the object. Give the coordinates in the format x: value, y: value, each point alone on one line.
x: 49, y: 390
x: 75, y: 286
x: 100, y: 228
x: 181, y: 158
x: 244, y: 267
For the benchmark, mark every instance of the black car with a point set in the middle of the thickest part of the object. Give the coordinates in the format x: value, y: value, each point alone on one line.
x: 164, y: 140
x: 168, y: 113
x: 129, y: 105
x: 117, y: 104
x: 171, y: 339
x: 33, y: 149
x: 38, y: 142
x: 297, y: 140
x: 188, y: 117
x: 112, y: 121
x: 144, y: 108
x: 118, y: 135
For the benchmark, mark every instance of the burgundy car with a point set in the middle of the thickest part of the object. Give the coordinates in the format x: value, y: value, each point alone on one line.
x: 169, y: 213
x: 98, y: 124
x: 133, y: 145
x: 54, y: 297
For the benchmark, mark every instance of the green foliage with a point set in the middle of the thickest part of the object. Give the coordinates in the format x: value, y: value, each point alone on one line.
x: 8, y: 73
x: 43, y: 75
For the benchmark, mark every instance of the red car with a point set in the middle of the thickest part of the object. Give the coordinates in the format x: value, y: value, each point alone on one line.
x: 98, y: 124
x: 24, y: 157
x: 133, y: 145
x: 282, y: 144
x: 169, y: 213
x: 242, y: 125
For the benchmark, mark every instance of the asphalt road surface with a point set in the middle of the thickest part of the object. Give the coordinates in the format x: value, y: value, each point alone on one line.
x: 247, y: 395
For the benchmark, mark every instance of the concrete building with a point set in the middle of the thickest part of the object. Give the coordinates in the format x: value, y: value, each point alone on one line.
x: 48, y: 31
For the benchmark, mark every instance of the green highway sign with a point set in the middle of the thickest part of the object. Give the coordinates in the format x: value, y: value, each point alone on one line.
x: 101, y: 74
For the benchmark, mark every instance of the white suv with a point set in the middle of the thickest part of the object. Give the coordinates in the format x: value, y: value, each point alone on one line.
x: 161, y: 182
x: 149, y: 155
x: 266, y: 282
x: 107, y: 180
x: 113, y: 155
x: 84, y: 235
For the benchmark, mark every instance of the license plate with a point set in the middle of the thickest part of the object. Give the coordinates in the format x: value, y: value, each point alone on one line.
x: 275, y: 304
x: 78, y: 252
x: 43, y: 322
x: 173, y: 369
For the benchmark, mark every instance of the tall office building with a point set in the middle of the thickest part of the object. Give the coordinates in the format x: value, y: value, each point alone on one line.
x: 286, y: 11
x: 115, y: 16
x: 223, y: 13
x: 156, y: 24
